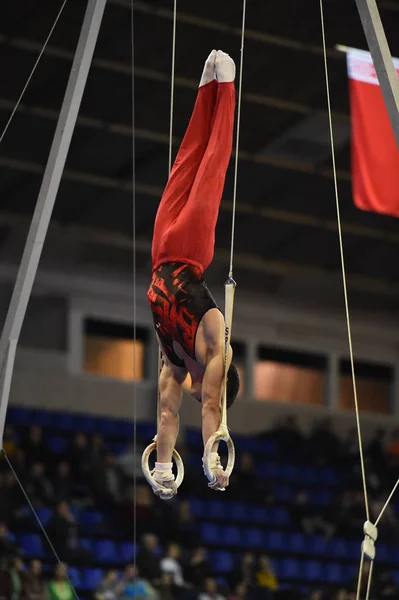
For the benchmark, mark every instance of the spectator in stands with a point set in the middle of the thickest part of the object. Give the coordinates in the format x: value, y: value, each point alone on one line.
x: 19, y: 464
x: 309, y: 517
x: 210, y: 590
x: 316, y: 595
x: 8, y: 548
x: 12, y: 501
x: 59, y: 587
x: 79, y: 458
x: 144, y: 506
x: 63, y: 532
x: 34, y: 446
x: 148, y: 559
x: 187, y: 531
x: 247, y: 569
x: 16, y: 574
x: 348, y: 513
x: 265, y: 575
x: 97, y: 449
x: 5, y: 579
x: 40, y: 486
x: 109, y: 587
x: 34, y: 586
x: 324, y: 446
x: 170, y: 564
x: 240, y: 592
x: 351, y: 447
x: 167, y: 588
x: 107, y: 482
x: 389, y: 525
x: 133, y: 586
x: 9, y: 440
x: 376, y: 449
x: 198, y: 567
x: 63, y: 482
x: 290, y: 437
x: 130, y: 462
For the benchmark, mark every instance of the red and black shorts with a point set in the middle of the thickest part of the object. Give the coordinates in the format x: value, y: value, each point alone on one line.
x: 179, y: 298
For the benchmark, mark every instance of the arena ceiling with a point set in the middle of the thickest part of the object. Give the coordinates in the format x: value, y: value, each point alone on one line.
x: 286, y: 244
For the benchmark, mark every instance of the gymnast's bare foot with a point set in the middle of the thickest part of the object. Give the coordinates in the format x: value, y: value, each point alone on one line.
x: 224, y: 67
x: 208, y: 73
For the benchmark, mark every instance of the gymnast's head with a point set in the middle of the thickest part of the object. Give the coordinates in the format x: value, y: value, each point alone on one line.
x: 233, y: 386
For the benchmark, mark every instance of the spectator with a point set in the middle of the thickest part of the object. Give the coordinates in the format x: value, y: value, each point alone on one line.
x: 148, y: 559
x: 130, y: 462
x: 290, y: 437
x: 107, y: 482
x: 59, y: 587
x: 247, y: 569
x: 79, y: 458
x: 265, y: 575
x: 5, y: 579
x: 316, y: 595
x: 133, y: 586
x: 323, y: 444
x: 311, y: 521
x: 34, y: 446
x: 198, y: 567
x: 63, y: 531
x: 144, y: 506
x: 210, y: 590
x: 167, y: 588
x: 351, y: 446
x: 9, y: 440
x: 34, y: 586
x: 376, y: 449
x: 240, y: 592
x: 19, y: 464
x: 11, y: 501
x: 170, y: 564
x: 62, y: 482
x: 393, y: 446
x: 16, y: 574
x: 8, y: 548
x: 41, y: 489
x: 109, y: 587
x: 186, y: 531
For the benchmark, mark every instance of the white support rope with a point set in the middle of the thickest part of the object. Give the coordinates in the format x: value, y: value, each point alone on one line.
x: 233, y: 220
x: 161, y: 491
x: 222, y: 434
x: 7, y: 125
x: 370, y: 530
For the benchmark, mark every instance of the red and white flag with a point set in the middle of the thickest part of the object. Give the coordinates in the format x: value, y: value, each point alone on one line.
x: 375, y: 155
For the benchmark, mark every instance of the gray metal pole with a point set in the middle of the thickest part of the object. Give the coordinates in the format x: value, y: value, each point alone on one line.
x: 45, y: 202
x: 379, y: 50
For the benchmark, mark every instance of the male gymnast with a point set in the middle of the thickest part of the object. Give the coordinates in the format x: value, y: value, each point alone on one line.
x: 189, y: 325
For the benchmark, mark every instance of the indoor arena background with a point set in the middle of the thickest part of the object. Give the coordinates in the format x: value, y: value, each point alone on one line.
x: 291, y: 523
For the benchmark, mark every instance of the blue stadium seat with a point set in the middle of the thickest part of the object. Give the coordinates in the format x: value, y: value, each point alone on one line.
x: 268, y: 470
x: 75, y: 577
x: 296, y: 542
x: 278, y: 515
x: 86, y: 544
x: 117, y: 447
x: 210, y: 533
x: 193, y: 437
x: 317, y: 545
x: 309, y: 475
x: 90, y: 519
x: 56, y: 444
x: 126, y: 551
x: 43, y: 418
x: 291, y: 569
x: 273, y: 540
x: 230, y: 536
x: 334, y: 573
x: 126, y: 429
x: 83, y: 422
x: 18, y: 416
x: 319, y: 497
x: 31, y: 545
x: 354, y: 549
x: 239, y: 512
x: 284, y: 493
x: 62, y: 420
x: 288, y: 473
x: 197, y: 507
x: 266, y: 446
x: 216, y: 509
x: 105, y: 427
x: 222, y: 562
x: 312, y: 570
x: 252, y: 538
x: 105, y: 551
x: 258, y: 514
x: 338, y: 548
x: 44, y: 514
x: 145, y: 431
x: 91, y: 578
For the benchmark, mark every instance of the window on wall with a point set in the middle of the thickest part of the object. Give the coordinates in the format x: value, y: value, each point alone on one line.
x: 289, y: 376
x: 239, y: 361
x: 373, y: 385
x: 110, y: 350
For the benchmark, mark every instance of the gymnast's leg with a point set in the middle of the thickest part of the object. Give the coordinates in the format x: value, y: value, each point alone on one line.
x: 186, y: 165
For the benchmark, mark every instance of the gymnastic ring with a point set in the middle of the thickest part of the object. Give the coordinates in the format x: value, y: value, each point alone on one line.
x: 161, y: 491
x: 222, y: 435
